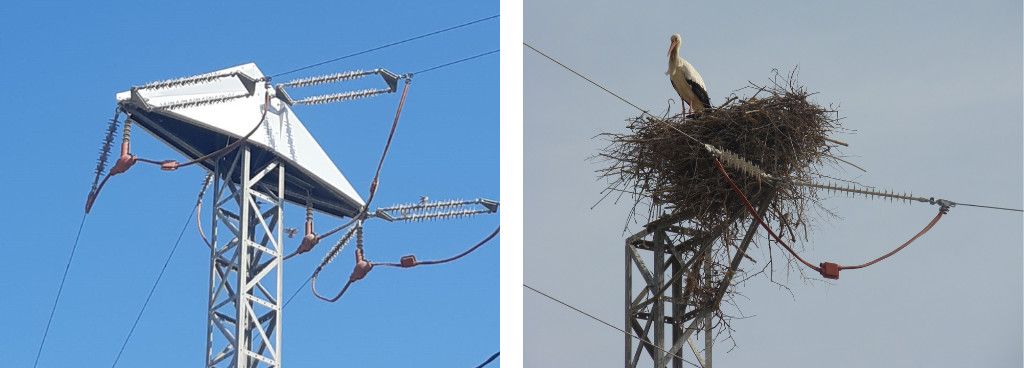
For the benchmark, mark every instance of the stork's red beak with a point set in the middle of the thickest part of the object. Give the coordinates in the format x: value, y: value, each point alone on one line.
x: 672, y: 47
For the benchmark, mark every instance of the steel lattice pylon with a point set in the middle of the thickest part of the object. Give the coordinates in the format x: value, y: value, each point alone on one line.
x: 244, y: 321
x: 675, y: 251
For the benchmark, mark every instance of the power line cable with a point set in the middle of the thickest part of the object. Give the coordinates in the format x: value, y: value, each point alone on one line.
x: 456, y: 62
x: 578, y: 74
x: 387, y: 45
x: 648, y: 342
x: 623, y: 99
x: 989, y: 207
x: 60, y: 289
x: 153, y: 288
x: 489, y: 360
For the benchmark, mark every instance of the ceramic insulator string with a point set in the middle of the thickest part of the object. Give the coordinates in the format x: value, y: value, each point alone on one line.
x: 108, y: 143
x: 338, y: 247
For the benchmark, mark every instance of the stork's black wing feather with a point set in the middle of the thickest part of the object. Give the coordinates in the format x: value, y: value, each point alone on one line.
x: 702, y: 95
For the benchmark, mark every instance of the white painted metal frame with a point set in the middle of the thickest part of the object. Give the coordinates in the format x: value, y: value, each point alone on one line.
x: 246, y: 259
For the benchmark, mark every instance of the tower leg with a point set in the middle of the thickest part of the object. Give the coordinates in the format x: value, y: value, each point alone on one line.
x: 244, y: 319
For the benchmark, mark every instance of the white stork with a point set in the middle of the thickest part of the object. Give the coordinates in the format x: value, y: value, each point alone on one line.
x: 685, y: 79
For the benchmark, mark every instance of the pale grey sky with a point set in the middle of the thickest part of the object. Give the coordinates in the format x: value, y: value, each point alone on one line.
x: 934, y: 90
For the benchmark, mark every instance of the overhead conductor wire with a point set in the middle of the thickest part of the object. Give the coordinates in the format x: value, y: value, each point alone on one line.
x: 387, y: 45
x: 580, y: 311
x: 60, y: 289
x: 160, y: 275
x: 489, y: 360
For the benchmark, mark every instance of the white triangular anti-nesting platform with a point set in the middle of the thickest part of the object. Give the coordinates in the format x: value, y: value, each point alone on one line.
x: 200, y: 129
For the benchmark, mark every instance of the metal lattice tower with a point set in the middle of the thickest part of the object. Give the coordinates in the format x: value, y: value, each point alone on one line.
x: 244, y: 321
x: 666, y: 299
x: 236, y: 125
x: 241, y: 129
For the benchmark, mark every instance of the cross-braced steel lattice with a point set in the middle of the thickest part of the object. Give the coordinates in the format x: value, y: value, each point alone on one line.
x: 679, y: 292
x: 244, y: 322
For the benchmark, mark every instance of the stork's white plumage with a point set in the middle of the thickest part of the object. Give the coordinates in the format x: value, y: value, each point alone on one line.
x: 685, y: 79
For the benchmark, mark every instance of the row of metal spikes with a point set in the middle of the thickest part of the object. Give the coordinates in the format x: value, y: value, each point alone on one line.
x: 736, y: 162
x: 389, y: 78
x: 427, y: 210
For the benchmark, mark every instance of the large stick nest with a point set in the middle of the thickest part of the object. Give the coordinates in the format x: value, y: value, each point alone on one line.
x: 778, y: 128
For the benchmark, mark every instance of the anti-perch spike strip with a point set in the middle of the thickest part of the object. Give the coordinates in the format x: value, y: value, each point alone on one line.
x: 866, y: 192
x: 432, y: 205
x: 324, y: 79
x: 446, y: 215
x: 737, y: 162
x: 338, y: 97
x: 202, y: 101
x: 195, y: 79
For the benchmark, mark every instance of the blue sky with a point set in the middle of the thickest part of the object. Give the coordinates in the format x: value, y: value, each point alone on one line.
x: 65, y: 60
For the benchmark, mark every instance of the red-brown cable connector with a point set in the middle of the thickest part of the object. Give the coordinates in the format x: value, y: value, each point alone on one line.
x: 126, y: 160
x: 408, y: 261
x: 309, y: 240
x: 362, y: 267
